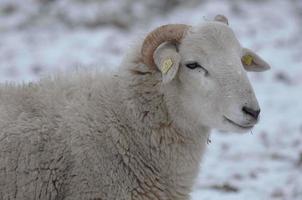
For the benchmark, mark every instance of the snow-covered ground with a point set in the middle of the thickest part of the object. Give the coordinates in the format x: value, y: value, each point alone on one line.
x: 263, y: 165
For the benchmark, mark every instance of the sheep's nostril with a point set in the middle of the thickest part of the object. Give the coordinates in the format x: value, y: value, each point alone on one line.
x: 250, y: 111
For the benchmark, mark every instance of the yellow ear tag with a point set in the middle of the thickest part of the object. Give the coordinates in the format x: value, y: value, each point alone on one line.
x: 166, y: 66
x: 247, y: 59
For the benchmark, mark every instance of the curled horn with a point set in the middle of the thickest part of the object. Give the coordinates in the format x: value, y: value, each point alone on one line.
x: 166, y: 33
x: 222, y: 18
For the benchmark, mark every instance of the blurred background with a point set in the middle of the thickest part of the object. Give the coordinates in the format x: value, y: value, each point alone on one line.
x: 39, y: 37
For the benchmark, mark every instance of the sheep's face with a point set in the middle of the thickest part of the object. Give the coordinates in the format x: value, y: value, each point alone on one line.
x: 211, y: 81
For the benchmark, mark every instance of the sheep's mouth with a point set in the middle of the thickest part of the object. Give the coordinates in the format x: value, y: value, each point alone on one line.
x: 238, y: 125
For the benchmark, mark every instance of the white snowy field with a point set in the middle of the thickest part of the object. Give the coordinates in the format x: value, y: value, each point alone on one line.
x: 263, y: 165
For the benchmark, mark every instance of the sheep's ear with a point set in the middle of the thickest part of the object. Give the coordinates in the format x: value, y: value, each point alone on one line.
x: 252, y: 62
x: 167, y: 61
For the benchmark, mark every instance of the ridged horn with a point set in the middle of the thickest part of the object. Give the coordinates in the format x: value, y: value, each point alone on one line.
x: 221, y: 18
x: 166, y: 33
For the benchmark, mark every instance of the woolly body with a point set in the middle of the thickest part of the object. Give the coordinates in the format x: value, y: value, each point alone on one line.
x: 95, y: 137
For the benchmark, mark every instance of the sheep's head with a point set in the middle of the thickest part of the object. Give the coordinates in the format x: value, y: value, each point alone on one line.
x: 204, y: 73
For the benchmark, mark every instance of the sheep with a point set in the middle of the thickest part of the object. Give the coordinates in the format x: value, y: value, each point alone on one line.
x: 135, y: 134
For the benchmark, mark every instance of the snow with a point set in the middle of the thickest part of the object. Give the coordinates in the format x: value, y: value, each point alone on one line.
x: 265, y: 164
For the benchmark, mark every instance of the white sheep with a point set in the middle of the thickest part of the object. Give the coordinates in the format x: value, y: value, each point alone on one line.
x: 136, y: 135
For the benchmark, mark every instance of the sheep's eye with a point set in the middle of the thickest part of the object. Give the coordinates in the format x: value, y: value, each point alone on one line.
x: 195, y: 65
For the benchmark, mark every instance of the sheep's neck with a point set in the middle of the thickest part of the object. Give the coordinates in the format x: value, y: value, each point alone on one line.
x: 169, y: 152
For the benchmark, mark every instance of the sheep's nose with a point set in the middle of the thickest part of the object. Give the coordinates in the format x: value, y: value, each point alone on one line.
x: 251, y: 111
